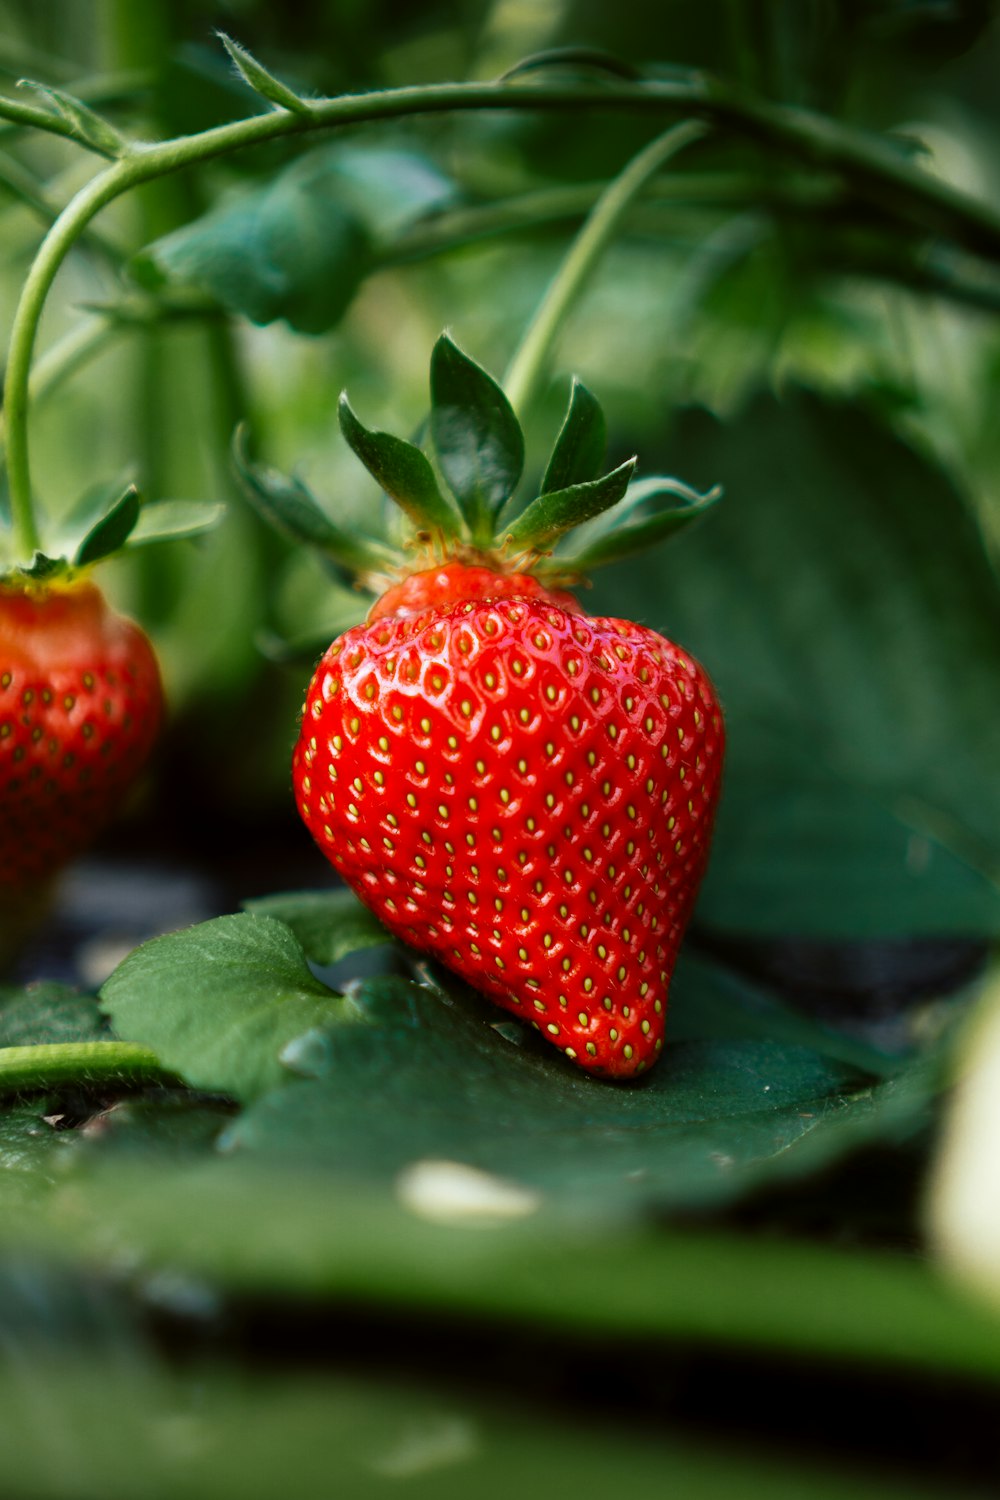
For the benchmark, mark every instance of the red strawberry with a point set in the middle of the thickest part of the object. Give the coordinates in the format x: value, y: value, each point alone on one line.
x: 520, y: 790
x: 80, y: 705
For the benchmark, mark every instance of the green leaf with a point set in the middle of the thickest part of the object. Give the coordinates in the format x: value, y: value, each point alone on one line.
x: 708, y: 1002
x: 437, y: 1073
x: 261, y: 81
x: 289, y: 250
x: 621, y: 533
x: 477, y: 438
x: 449, y: 1085
x: 711, y: 1003
x: 286, y: 503
x: 579, y: 449
x: 174, y: 520
x: 328, y: 924
x: 206, y: 1427
x: 151, y: 1127
x: 112, y: 531
x: 46, y: 1013
x: 390, y: 188
x: 404, y: 473
x: 29, y: 1149
x: 89, y: 128
x: 218, y: 1002
x: 549, y: 517
x: 846, y: 607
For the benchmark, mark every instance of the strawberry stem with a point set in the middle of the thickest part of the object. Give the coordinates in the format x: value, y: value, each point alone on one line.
x: 91, y: 1064
x: 530, y: 363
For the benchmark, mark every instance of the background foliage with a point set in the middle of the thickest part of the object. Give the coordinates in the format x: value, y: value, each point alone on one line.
x: 359, y: 1228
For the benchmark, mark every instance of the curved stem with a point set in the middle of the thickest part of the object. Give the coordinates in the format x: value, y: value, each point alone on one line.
x: 53, y: 250
x: 144, y: 163
x: 871, y: 164
x: 91, y: 1064
x: 528, y: 367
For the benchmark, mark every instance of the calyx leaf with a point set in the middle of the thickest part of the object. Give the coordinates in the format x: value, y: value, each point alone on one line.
x: 403, y: 472
x: 41, y: 567
x: 477, y: 437
x: 579, y: 449
x: 286, y: 503
x: 113, y: 517
x: 111, y: 532
x: 479, y: 447
x: 174, y: 520
x: 615, y: 536
x: 550, y: 516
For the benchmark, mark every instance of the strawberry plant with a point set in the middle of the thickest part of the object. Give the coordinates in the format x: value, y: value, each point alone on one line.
x: 520, y: 789
x: 342, y: 1042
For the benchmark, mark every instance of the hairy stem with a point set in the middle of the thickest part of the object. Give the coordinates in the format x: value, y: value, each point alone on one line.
x: 529, y: 365
x: 91, y: 1064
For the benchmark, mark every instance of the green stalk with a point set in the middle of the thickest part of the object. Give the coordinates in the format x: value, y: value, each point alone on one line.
x: 528, y: 367
x: 57, y: 243
x: 872, y: 166
x: 92, y: 1064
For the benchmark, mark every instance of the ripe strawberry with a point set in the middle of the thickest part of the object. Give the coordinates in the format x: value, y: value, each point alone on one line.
x: 80, y: 705
x: 519, y: 789
x: 522, y: 791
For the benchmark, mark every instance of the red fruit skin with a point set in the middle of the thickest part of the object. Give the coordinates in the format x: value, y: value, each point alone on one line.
x: 80, y: 707
x: 524, y: 792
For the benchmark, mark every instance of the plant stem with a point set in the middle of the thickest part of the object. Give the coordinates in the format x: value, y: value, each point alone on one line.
x: 96, y: 90
x: 872, y: 166
x: 528, y: 367
x: 89, y: 1063
x: 53, y: 250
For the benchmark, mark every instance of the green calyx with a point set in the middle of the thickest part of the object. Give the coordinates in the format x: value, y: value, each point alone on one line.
x: 459, y: 496
x: 107, y: 519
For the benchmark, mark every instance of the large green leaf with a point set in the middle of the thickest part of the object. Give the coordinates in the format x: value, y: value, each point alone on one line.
x: 428, y: 1081
x: 328, y: 924
x: 46, y: 1014
x: 434, y: 1071
x: 218, y: 1002
x: 843, y: 601
x: 289, y: 250
x: 240, y: 1224
x: 29, y: 1151
x: 208, y: 1431
x: 707, y: 1001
